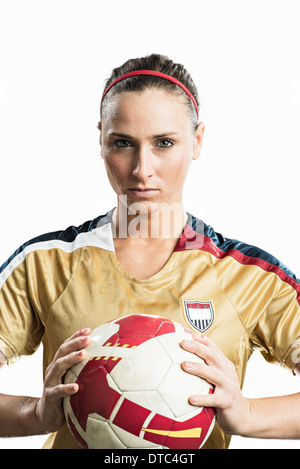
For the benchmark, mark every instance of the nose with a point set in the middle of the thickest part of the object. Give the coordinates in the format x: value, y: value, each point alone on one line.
x: 143, y: 164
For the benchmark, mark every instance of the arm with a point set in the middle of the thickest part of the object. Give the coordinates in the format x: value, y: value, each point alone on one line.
x: 23, y: 415
x: 274, y: 417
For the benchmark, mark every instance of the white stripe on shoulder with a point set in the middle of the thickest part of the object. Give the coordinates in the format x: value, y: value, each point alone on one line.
x: 98, y: 237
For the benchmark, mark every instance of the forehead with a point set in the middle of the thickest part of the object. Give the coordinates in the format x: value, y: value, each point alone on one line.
x: 152, y: 108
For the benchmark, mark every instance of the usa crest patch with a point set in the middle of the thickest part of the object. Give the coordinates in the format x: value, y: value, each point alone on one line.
x: 199, y: 314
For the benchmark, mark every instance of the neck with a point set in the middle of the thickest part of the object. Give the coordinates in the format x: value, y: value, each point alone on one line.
x: 160, y: 221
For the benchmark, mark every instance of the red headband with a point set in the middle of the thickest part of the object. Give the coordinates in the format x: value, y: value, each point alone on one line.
x: 158, y: 74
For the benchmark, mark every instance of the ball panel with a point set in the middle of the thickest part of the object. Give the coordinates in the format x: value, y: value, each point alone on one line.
x: 151, y: 400
x: 70, y: 376
x: 131, y: 417
x: 76, y: 433
x: 100, y: 398
x: 178, y: 435
x: 142, y: 325
x: 171, y: 345
x: 177, y: 396
x: 133, y: 373
x: 102, y: 436
x: 132, y: 441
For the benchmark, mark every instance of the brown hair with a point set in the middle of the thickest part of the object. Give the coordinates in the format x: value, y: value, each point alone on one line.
x: 159, y: 63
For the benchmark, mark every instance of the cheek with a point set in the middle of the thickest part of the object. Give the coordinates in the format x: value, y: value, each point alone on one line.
x: 112, y: 163
x: 116, y: 169
x: 177, y: 168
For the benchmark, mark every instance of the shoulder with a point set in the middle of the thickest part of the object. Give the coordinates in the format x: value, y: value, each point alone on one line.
x: 205, y: 238
x: 67, y: 241
x: 245, y: 254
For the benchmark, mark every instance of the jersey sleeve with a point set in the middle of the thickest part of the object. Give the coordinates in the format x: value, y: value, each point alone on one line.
x: 266, y: 296
x: 277, y: 332
x: 21, y: 329
x: 30, y: 282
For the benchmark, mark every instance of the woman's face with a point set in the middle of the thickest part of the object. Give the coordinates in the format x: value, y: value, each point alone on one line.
x: 148, y: 143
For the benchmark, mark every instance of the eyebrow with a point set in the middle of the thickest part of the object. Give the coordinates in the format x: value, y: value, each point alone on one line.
x: 118, y: 134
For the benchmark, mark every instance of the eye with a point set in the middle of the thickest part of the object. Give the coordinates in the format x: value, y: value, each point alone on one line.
x: 165, y: 143
x: 121, y: 143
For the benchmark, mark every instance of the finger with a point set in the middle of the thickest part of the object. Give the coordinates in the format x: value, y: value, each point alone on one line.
x: 82, y: 332
x: 201, y: 350
x: 207, y: 400
x: 202, y: 400
x: 60, y: 391
x: 206, y: 341
x: 58, y: 368
x: 208, y: 351
x: 210, y: 373
x: 76, y: 342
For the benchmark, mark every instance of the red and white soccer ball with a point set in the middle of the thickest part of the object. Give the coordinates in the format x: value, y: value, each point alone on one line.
x: 133, y: 392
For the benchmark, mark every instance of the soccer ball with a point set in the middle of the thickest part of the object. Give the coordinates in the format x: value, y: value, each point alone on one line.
x: 133, y: 392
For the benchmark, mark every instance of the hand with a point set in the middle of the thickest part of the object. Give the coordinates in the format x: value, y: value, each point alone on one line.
x: 231, y: 406
x: 49, y: 409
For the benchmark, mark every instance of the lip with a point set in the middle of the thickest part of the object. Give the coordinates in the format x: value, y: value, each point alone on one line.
x: 144, y: 192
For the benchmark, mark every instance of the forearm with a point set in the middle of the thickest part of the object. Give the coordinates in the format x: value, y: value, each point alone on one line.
x: 24, y: 416
x: 18, y: 416
x: 274, y: 417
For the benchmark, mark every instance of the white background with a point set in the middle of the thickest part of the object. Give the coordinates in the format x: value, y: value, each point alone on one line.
x: 244, y: 57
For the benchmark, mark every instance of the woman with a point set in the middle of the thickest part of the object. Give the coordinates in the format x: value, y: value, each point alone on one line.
x: 150, y: 256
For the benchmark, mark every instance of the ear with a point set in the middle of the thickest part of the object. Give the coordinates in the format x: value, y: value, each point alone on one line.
x: 198, y: 140
x: 99, y: 127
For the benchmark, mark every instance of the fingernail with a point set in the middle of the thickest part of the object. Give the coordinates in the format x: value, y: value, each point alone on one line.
x: 189, y: 365
x: 188, y: 342
x: 194, y: 400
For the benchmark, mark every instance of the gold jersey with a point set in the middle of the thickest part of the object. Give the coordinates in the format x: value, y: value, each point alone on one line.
x: 240, y: 296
